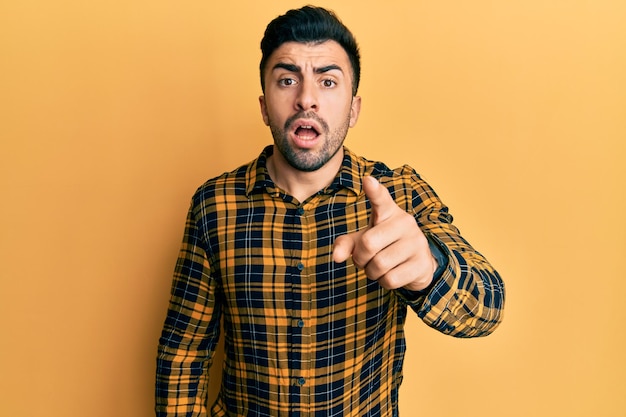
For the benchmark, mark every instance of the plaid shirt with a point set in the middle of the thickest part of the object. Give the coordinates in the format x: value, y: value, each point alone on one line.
x: 305, y: 336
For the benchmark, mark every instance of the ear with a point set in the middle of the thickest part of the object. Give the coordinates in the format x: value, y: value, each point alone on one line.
x: 355, y: 110
x: 266, y: 118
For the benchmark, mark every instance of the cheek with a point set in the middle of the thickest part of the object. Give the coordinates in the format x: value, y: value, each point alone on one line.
x: 278, y: 108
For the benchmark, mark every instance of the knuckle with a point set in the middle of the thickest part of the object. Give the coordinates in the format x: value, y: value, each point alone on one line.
x: 383, y: 262
x: 391, y: 280
x: 368, y: 243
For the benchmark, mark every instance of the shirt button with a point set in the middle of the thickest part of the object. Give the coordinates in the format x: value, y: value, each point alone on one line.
x: 301, y: 381
x: 300, y: 323
x: 300, y: 266
x: 300, y: 211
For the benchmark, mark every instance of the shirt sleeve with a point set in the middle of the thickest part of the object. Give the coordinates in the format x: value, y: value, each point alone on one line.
x: 467, y: 299
x: 190, y: 332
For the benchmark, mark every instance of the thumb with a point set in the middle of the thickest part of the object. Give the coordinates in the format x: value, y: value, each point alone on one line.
x: 344, y: 246
x: 380, y: 200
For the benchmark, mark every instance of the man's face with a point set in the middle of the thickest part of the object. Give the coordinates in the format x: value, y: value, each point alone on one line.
x: 308, y: 102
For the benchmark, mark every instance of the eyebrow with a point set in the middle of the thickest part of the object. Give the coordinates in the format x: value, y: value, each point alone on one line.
x: 296, y: 68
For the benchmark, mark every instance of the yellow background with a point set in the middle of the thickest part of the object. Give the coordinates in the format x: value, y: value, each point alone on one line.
x: 113, y: 112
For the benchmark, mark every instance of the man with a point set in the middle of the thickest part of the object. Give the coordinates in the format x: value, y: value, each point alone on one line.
x: 311, y: 255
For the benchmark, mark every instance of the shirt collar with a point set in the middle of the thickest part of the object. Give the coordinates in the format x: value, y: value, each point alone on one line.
x: 349, y: 175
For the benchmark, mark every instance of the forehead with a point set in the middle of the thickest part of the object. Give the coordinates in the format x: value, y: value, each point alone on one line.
x: 310, y: 54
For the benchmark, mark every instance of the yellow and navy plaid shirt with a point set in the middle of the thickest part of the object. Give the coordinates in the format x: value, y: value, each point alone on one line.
x: 305, y: 336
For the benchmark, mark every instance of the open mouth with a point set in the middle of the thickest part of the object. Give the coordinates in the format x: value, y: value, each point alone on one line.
x: 306, y: 132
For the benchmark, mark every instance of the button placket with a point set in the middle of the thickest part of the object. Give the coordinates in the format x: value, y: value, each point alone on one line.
x: 301, y: 317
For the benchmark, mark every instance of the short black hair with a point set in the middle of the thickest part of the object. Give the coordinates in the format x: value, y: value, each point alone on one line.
x: 310, y: 24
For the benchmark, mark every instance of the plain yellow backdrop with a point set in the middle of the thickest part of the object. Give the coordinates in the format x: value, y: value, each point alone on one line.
x: 112, y: 113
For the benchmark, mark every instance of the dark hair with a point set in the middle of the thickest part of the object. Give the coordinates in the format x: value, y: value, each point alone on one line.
x: 310, y: 25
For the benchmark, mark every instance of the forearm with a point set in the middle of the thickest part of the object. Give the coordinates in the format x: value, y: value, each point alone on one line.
x: 185, y: 351
x: 181, y: 383
x: 468, y: 299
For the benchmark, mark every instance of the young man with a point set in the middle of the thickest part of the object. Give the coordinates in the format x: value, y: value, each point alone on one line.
x: 311, y: 255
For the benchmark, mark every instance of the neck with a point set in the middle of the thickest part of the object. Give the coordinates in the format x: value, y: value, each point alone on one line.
x: 302, y: 184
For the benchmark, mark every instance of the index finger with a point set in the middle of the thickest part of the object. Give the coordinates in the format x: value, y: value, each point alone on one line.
x: 380, y: 199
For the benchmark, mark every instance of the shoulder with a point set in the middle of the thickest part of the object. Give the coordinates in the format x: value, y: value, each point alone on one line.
x: 405, y: 184
x: 363, y: 166
x: 227, y: 186
x: 404, y: 174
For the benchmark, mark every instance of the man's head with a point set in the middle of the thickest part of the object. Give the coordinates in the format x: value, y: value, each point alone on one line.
x: 309, y: 80
x: 310, y: 25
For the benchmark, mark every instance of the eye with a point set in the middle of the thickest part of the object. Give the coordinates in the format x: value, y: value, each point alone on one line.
x: 286, y: 82
x: 328, y: 83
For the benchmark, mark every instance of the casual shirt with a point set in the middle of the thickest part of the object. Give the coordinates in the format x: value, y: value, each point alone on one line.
x: 305, y: 336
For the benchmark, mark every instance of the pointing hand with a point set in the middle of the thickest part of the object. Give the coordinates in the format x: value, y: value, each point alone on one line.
x: 392, y: 249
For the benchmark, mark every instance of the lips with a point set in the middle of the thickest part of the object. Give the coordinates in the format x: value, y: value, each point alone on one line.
x: 305, y: 132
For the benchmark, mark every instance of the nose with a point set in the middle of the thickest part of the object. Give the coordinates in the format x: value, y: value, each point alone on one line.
x: 307, y: 96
